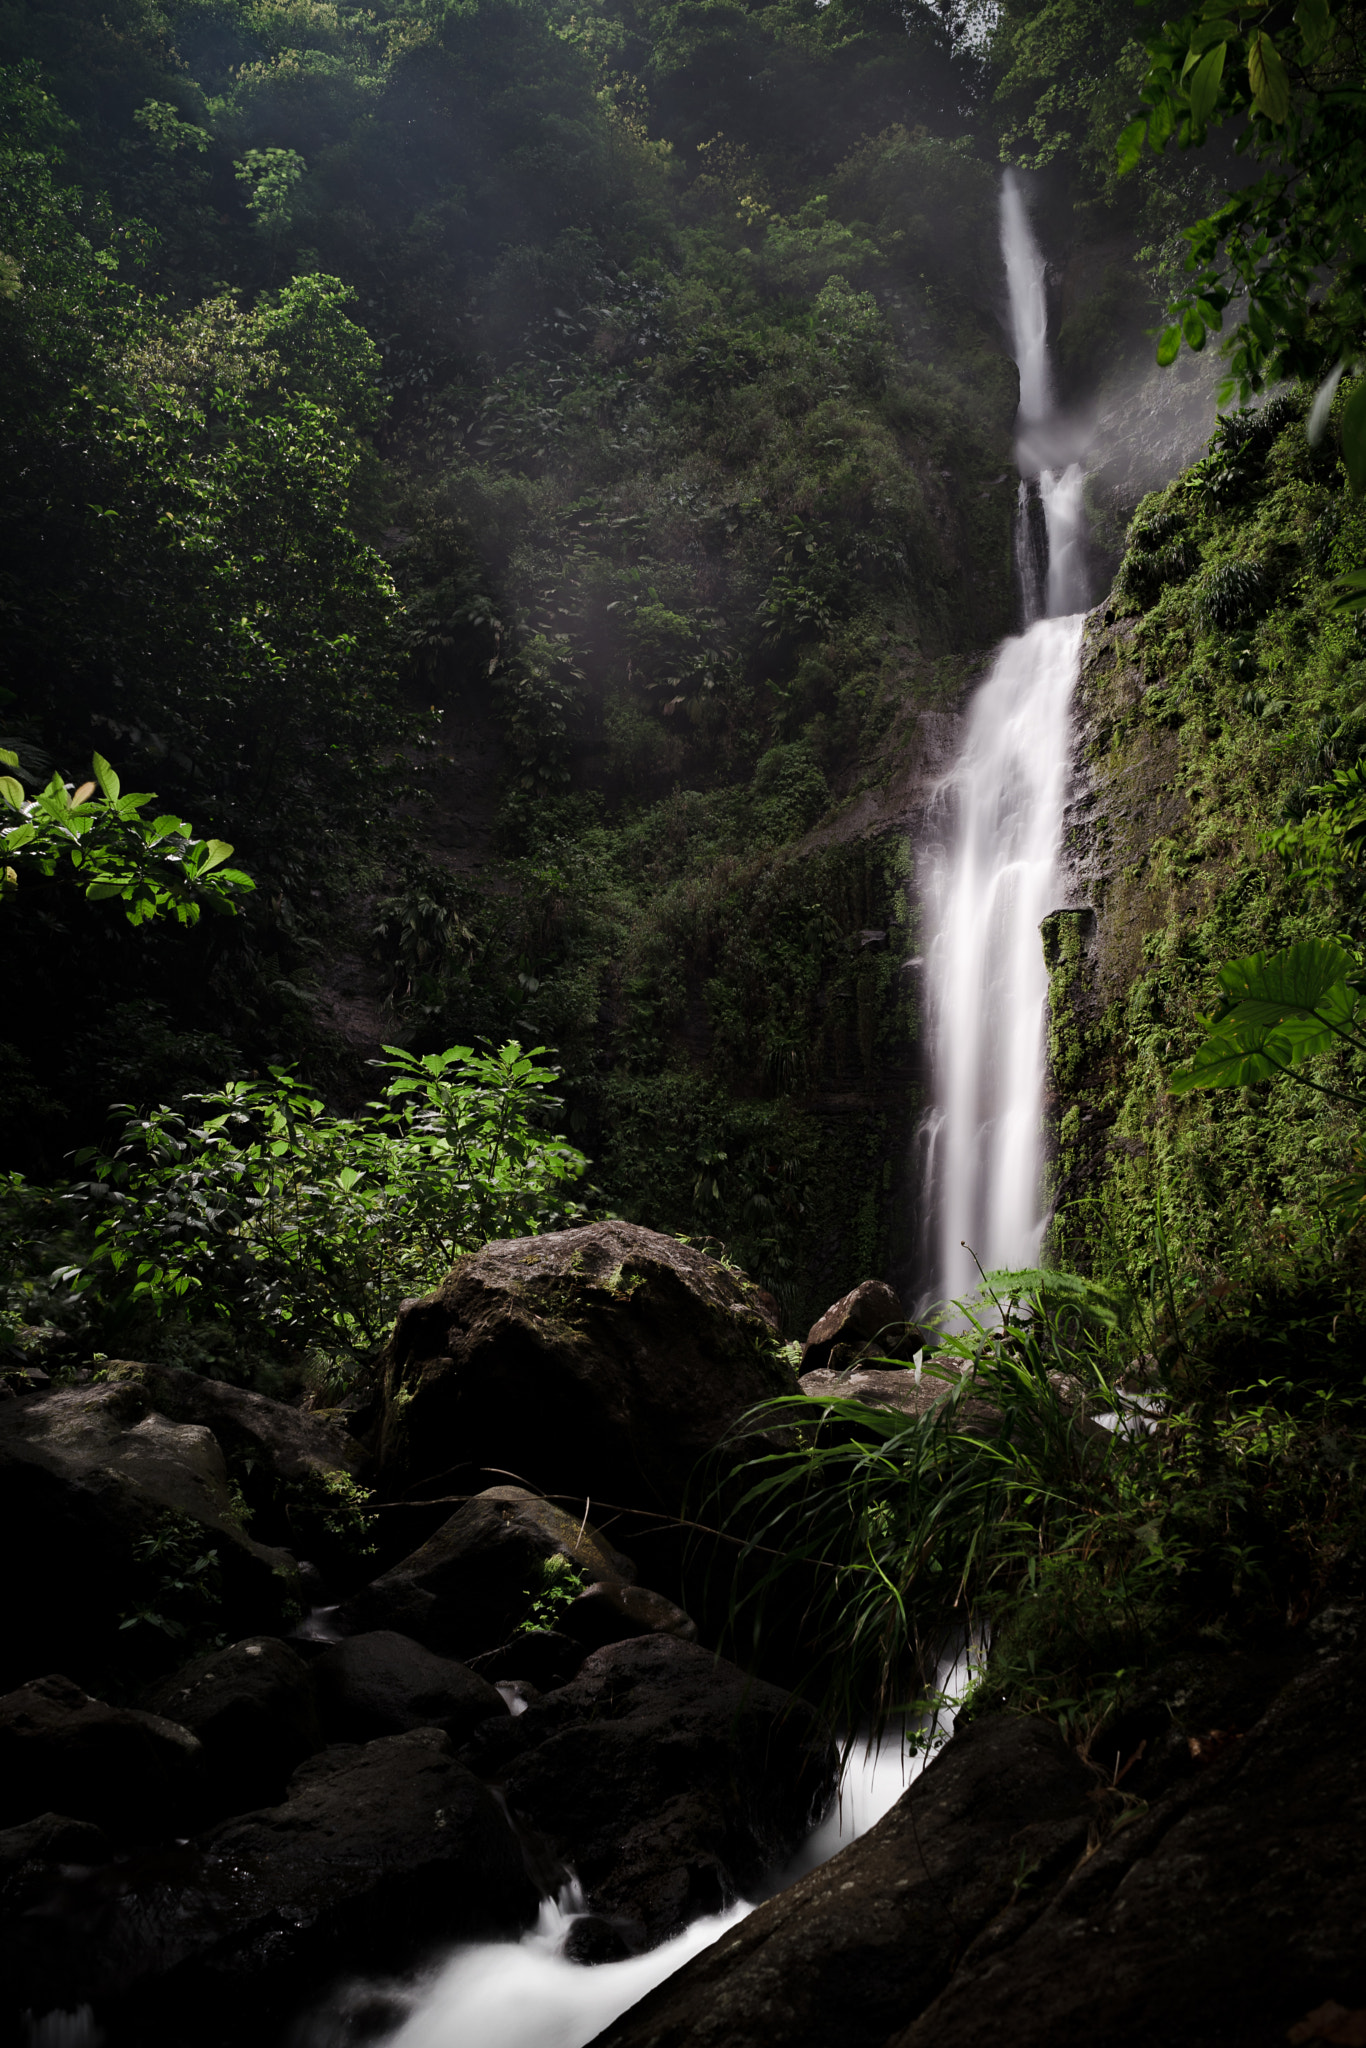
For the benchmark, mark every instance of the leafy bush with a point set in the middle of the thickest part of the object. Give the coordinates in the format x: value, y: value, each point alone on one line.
x: 304, y: 1229
x: 1160, y: 552
x: 1231, y: 593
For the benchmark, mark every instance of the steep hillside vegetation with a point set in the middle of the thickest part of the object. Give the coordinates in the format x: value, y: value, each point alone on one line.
x: 1222, y: 705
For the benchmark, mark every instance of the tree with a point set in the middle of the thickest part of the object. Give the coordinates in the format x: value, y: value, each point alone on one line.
x: 1289, y: 75
x: 151, y: 865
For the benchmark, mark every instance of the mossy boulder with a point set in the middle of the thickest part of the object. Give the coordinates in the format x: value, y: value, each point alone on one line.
x: 594, y: 1364
x: 471, y: 1584
x: 130, y: 1535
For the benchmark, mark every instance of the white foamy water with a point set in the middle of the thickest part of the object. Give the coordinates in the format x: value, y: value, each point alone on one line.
x: 992, y: 877
x: 527, y: 1994
x: 1026, y: 284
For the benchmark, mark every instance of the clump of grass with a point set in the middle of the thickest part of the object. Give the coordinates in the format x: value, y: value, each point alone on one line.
x: 1217, y: 1495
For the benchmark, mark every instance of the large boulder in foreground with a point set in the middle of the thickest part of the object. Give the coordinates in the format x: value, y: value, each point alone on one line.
x: 376, y: 1853
x: 1202, y: 1883
x: 602, y: 1362
x: 108, y: 1502
x: 385, y: 1684
x: 251, y: 1705
x: 670, y: 1780
x: 136, y: 1775
x: 846, y: 1955
x: 472, y: 1583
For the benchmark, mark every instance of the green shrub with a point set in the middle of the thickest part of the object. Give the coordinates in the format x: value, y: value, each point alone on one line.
x: 1231, y: 593
x: 305, y: 1230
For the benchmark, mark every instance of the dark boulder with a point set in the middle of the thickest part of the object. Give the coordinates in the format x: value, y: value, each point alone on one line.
x: 599, y: 1363
x: 252, y: 1707
x: 671, y: 1781
x: 128, y: 1502
x: 611, y: 1612
x: 292, y: 1442
x: 385, y: 1684
x: 843, y: 1957
x: 137, y: 1775
x: 539, y: 1657
x: 34, y: 1855
x: 1232, y: 1910
x: 869, y: 1318
x: 295, y: 1469
x: 1203, y: 1887
x: 469, y: 1586
x: 376, y: 1853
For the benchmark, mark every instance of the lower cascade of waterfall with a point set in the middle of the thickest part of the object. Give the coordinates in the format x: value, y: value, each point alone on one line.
x: 527, y: 1993
x: 995, y: 831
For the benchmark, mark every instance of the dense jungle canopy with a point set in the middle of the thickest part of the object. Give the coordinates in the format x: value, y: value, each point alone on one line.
x: 523, y: 476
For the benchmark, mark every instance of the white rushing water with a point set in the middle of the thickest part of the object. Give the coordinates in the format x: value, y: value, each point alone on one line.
x: 527, y: 1994
x: 990, y: 867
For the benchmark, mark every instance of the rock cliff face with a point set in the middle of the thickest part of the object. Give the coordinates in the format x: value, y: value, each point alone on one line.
x: 1217, y: 690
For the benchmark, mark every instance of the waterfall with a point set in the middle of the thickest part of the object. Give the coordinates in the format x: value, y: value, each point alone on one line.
x: 989, y: 867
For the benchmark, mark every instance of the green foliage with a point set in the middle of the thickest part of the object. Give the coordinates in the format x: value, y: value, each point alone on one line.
x: 152, y: 866
x: 1070, y: 1553
x: 1232, y: 592
x: 554, y: 1586
x: 177, y: 1585
x: 1238, y: 746
x: 305, y: 1230
x: 1293, y: 86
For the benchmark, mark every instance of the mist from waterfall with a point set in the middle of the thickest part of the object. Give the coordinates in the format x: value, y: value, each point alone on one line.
x: 990, y: 861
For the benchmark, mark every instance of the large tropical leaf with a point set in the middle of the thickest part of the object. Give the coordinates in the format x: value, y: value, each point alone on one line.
x: 1237, y: 1053
x: 1309, y: 981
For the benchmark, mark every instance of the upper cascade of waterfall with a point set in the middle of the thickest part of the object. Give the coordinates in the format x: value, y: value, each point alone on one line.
x: 1049, y: 559
x: 1027, y: 286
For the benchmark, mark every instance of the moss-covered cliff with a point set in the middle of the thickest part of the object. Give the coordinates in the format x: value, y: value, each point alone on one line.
x: 1217, y: 690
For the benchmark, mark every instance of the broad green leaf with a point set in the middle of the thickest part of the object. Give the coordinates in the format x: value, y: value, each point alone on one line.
x: 1130, y: 145
x: 216, y: 851
x: 1296, y: 982
x: 1351, y: 590
x: 1204, y: 90
x: 1234, y: 1058
x: 1168, y: 346
x: 10, y: 760
x: 1354, y: 436
x: 20, y: 835
x: 1315, y: 24
x: 99, y: 892
x: 1160, y: 124
x: 12, y: 791
x: 1266, y: 75
x: 1193, y: 327
x: 105, y: 776
x: 169, y: 824
x: 1219, y: 30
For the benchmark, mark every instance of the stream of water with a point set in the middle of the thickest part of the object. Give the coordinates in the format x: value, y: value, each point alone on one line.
x: 989, y: 867
x: 528, y: 1994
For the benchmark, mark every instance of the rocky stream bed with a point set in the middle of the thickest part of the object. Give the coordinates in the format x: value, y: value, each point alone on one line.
x: 208, y: 1852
